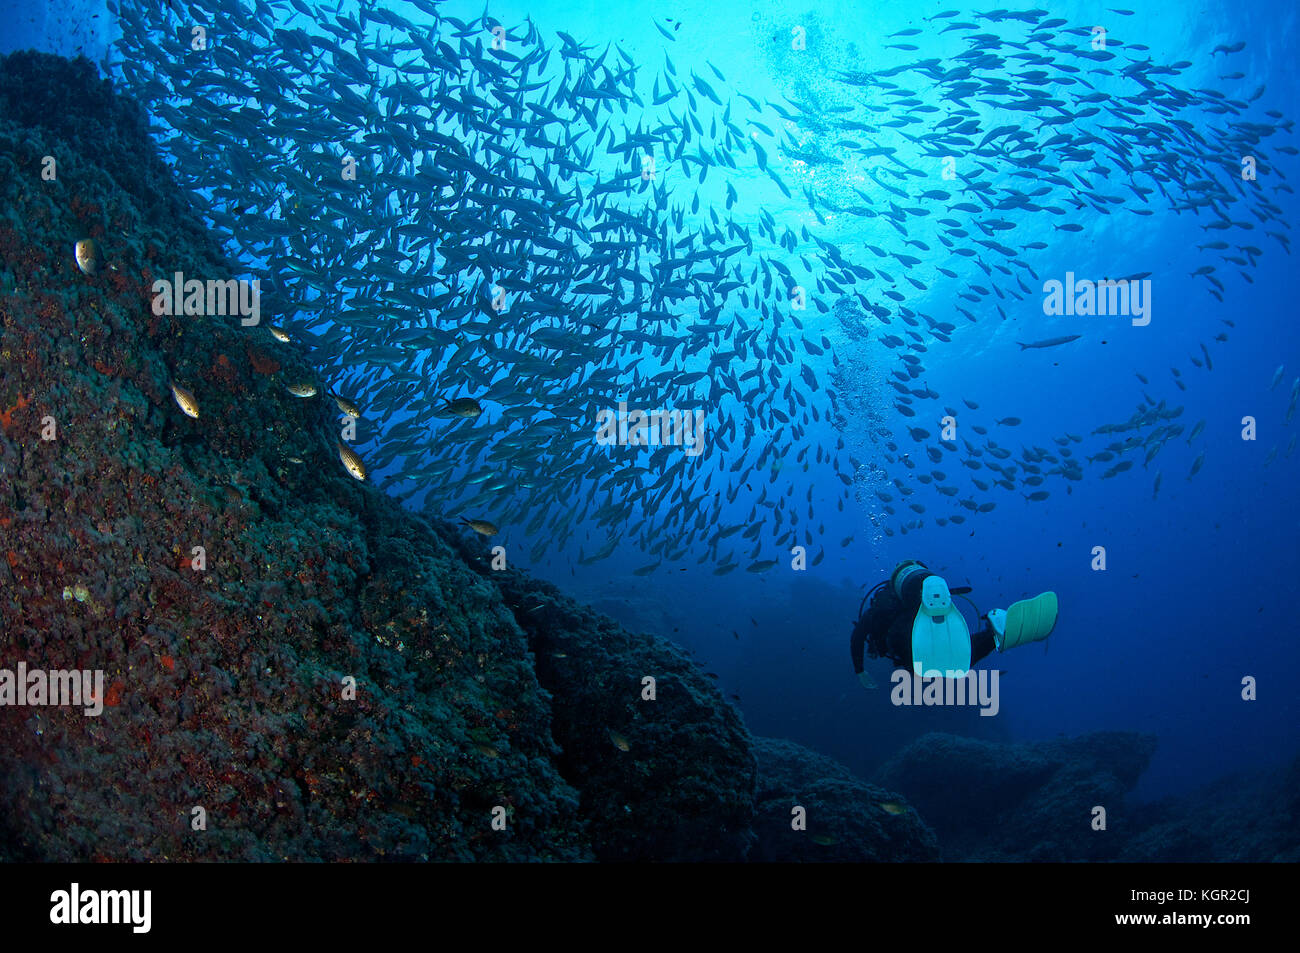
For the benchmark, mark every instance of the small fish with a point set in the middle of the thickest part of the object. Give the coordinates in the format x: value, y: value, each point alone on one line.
x: 619, y: 741
x: 1050, y: 342
x: 352, y: 461
x: 1010, y: 421
x: 1277, y: 376
x: 278, y: 333
x: 824, y: 840
x: 346, y: 406
x: 893, y: 807
x: 88, y: 257
x: 487, y: 751
x: 301, y: 390
x: 482, y: 527
x: 466, y: 407
x: 185, y: 400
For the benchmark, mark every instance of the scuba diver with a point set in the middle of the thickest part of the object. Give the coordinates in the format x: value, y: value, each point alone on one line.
x: 912, y: 620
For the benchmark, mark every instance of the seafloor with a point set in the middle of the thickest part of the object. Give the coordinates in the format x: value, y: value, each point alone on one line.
x: 475, y: 689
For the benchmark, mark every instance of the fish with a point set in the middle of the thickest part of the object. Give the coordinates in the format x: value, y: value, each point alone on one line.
x: 186, y: 401
x: 1050, y: 342
x: 824, y: 840
x: 347, y: 407
x: 278, y: 333
x: 301, y: 390
x: 466, y: 407
x: 1277, y: 376
x: 893, y: 807
x: 482, y: 527
x: 352, y: 461
x: 88, y: 257
x: 620, y: 742
x: 1009, y: 422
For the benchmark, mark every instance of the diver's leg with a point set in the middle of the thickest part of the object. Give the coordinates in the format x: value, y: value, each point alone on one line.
x: 981, y: 644
x: 1029, y: 620
x: 899, y: 640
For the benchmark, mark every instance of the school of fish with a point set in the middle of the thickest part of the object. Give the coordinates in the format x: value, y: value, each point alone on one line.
x: 489, y: 233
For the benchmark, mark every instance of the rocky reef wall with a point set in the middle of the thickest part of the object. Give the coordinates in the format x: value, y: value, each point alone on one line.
x: 294, y: 666
x: 225, y: 669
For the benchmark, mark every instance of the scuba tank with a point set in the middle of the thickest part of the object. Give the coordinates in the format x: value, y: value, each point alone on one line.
x: 907, y: 578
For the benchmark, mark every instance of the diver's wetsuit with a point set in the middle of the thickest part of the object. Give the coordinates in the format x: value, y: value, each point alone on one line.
x: 886, y: 627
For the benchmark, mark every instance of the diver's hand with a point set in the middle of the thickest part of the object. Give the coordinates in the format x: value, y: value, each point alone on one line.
x: 866, y: 681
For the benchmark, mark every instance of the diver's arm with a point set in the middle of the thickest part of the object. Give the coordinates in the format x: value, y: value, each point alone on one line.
x: 856, y: 643
x: 864, y: 631
x: 855, y: 649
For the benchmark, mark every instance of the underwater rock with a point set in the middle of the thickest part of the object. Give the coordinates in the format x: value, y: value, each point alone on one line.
x: 230, y: 579
x: 848, y: 819
x: 996, y: 801
x: 668, y: 779
x: 1254, y: 818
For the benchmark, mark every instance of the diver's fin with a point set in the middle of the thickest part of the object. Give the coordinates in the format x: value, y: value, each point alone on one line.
x: 1029, y: 620
x: 940, y: 638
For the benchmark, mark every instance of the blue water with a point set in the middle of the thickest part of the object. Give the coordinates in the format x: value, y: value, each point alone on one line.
x: 1200, y: 589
